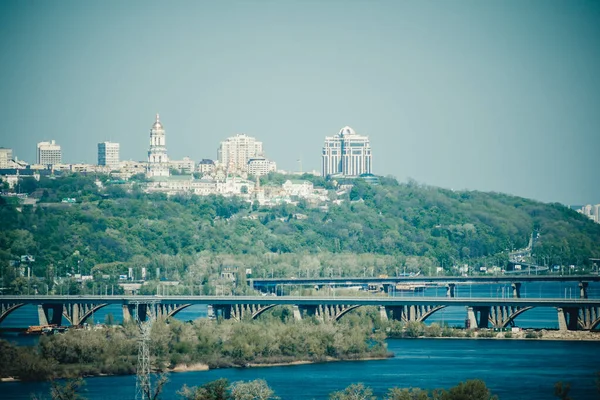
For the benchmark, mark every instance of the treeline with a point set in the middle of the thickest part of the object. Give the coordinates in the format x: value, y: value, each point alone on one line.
x: 228, y: 343
x: 258, y: 389
x: 383, y: 229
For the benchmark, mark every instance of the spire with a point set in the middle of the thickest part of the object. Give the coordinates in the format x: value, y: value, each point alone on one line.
x: 157, y: 118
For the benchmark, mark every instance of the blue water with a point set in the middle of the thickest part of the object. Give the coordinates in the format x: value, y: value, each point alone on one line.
x: 512, y: 369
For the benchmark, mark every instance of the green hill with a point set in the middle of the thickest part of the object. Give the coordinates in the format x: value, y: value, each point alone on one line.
x: 375, y: 229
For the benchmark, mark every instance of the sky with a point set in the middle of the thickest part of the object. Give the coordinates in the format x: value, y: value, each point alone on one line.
x: 499, y: 96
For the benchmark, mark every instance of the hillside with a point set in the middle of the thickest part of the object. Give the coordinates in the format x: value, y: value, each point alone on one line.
x: 373, y: 230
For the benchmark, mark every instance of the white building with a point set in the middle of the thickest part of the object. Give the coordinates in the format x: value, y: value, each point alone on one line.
x: 205, y: 166
x: 259, y: 166
x: 346, y: 153
x: 185, y: 166
x: 49, y: 153
x: 591, y: 211
x: 108, y: 154
x: 158, y: 162
x: 298, y: 188
x: 235, y: 152
x: 5, y: 157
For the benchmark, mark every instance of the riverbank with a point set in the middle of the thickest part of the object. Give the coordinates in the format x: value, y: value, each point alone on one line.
x: 529, y: 334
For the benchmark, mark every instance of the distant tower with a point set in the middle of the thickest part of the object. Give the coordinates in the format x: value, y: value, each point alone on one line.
x: 158, y: 162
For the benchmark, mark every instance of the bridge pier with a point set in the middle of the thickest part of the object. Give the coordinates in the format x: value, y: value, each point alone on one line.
x: 383, y: 313
x: 478, y: 316
x: 450, y: 289
x: 516, y: 287
x: 583, y: 290
x: 296, y: 313
x: 127, y: 311
x: 567, y: 319
x: 44, y: 316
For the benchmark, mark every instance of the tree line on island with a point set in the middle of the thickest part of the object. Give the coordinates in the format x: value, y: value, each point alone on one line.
x: 258, y: 389
x: 384, y: 229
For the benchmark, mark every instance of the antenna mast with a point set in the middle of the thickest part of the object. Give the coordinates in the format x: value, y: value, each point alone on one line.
x: 143, y: 385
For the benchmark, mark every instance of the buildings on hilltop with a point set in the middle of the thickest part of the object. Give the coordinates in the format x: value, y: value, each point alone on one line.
x: 235, y: 152
x: 347, y: 154
x: 49, y: 153
x: 259, y: 166
x: 108, y: 154
x: 591, y: 211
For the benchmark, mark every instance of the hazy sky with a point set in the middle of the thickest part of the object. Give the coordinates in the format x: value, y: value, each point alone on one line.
x: 488, y: 95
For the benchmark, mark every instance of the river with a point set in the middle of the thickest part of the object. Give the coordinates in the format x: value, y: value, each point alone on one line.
x: 512, y: 369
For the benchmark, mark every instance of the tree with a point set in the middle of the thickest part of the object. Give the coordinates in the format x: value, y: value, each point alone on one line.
x: 407, y: 394
x: 252, y: 390
x: 214, y: 390
x: 474, y: 389
x: 356, y: 391
x: 67, y: 391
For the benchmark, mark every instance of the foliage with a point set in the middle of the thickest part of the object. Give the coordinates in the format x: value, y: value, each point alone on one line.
x: 407, y: 394
x: 113, y: 350
x: 356, y: 391
x: 252, y: 390
x: 69, y: 390
x: 470, y: 390
x: 214, y: 390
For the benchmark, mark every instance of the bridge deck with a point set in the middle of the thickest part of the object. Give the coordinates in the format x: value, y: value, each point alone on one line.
x: 305, y: 300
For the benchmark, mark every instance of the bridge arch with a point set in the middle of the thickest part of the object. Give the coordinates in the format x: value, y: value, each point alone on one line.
x: 431, y: 312
x: 261, y: 310
x: 85, y: 315
x: 595, y: 324
x: 177, y: 309
x: 6, y: 312
x: 345, y: 311
x: 511, y: 317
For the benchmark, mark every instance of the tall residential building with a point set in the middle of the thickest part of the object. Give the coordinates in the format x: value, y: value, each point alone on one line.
x: 5, y: 157
x: 158, y: 162
x: 347, y: 153
x: 235, y: 152
x: 108, y: 154
x: 48, y: 153
x: 259, y: 166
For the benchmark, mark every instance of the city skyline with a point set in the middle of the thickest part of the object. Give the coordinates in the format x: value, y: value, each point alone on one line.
x: 480, y: 96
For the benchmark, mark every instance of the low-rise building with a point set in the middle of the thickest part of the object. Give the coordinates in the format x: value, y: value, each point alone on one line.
x: 298, y: 188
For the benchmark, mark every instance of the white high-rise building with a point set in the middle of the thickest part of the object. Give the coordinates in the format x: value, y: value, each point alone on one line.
x: 108, y: 154
x: 49, y: 153
x: 235, y: 152
x: 158, y: 162
x: 347, y: 153
x: 259, y: 166
x: 6, y: 157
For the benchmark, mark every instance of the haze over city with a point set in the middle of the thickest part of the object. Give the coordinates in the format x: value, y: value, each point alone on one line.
x: 466, y: 95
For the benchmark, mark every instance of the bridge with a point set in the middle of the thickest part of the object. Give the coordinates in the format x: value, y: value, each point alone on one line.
x: 573, y: 314
x: 269, y: 284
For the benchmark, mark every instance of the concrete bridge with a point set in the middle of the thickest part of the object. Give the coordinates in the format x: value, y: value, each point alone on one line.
x: 573, y: 314
x: 450, y: 282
